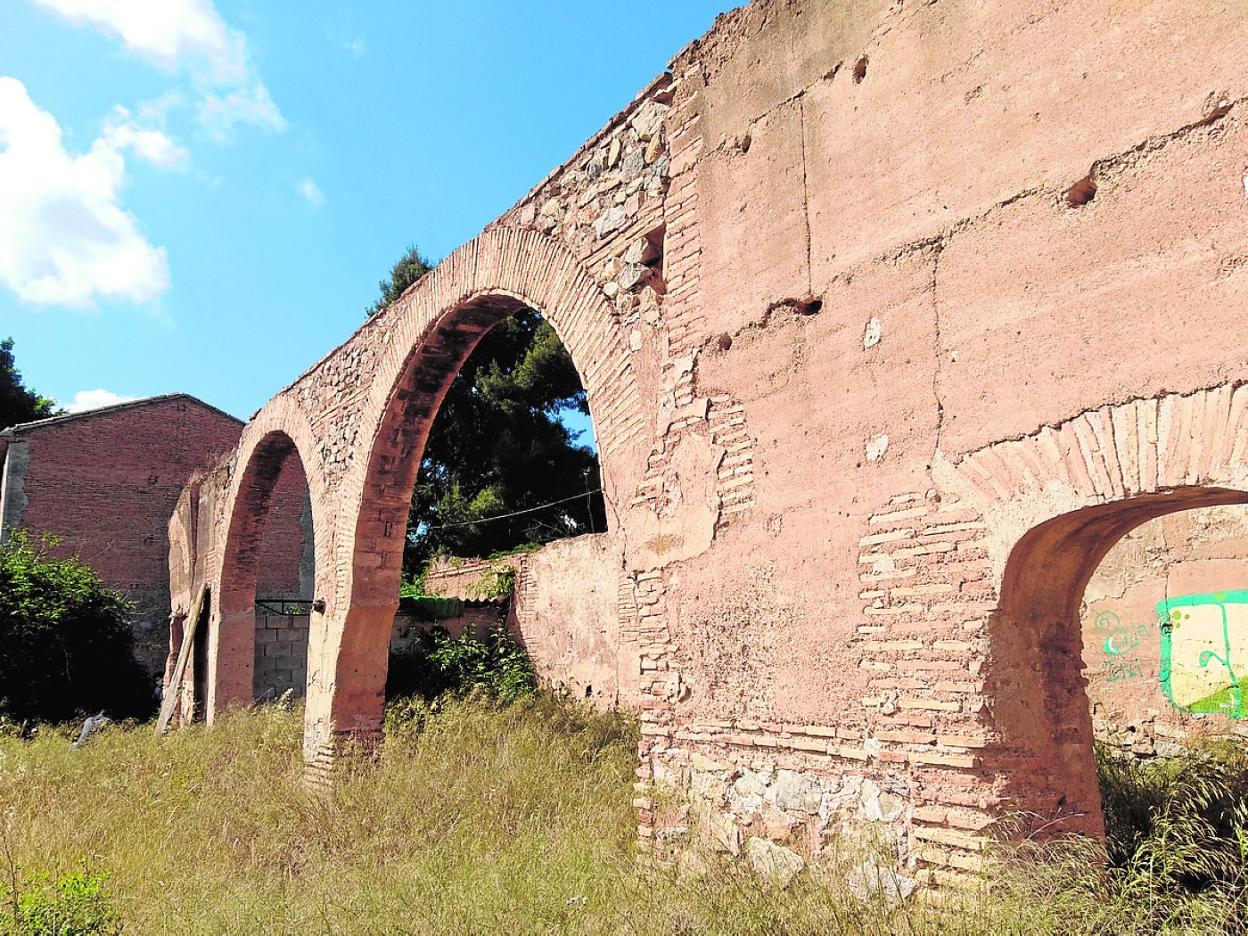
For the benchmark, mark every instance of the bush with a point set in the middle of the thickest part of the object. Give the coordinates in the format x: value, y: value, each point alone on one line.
x: 73, y: 905
x: 438, y: 664
x: 1181, y: 820
x: 65, y: 644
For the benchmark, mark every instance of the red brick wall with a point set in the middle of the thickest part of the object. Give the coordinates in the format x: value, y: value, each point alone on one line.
x: 106, y: 485
x: 285, y: 551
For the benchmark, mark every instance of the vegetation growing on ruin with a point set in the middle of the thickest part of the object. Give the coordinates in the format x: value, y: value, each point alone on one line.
x: 65, y: 643
x: 518, y: 819
x: 495, y: 666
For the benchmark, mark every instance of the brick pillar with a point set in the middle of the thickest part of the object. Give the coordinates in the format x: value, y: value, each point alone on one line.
x: 231, y: 660
x: 348, y: 654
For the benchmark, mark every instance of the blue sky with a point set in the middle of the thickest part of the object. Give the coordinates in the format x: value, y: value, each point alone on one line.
x: 202, y: 197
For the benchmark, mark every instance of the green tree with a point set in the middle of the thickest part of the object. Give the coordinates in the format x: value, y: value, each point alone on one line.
x: 408, y: 269
x: 17, y: 403
x: 499, y: 446
x: 65, y: 642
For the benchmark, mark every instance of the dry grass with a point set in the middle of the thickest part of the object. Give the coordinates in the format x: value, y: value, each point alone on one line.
x: 485, y: 820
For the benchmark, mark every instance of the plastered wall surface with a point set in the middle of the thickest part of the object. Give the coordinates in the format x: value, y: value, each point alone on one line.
x: 886, y: 315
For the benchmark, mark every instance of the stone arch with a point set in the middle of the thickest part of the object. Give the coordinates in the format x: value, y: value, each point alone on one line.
x: 1053, y: 504
x: 269, y: 441
x: 428, y: 335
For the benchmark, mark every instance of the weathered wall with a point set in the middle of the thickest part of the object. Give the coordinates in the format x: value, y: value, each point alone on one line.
x: 882, y: 314
x: 565, y: 614
x: 563, y: 611
x: 476, y: 618
x: 287, y: 564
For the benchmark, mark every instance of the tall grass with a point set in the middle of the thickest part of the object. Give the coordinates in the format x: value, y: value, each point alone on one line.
x: 518, y: 819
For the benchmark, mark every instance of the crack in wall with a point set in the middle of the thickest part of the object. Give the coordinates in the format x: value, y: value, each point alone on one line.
x: 937, y: 250
x: 801, y: 123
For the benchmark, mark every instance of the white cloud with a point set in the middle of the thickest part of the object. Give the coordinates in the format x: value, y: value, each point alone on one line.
x: 187, y: 35
x: 355, y: 46
x: 93, y: 399
x: 219, y: 113
x: 64, y: 237
x: 146, y: 143
x: 308, y: 189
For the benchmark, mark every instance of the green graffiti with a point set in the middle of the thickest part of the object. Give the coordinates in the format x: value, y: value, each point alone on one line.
x: 1121, y: 641
x: 1201, y: 636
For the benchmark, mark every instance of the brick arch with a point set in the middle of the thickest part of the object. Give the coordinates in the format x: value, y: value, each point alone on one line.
x: 273, y: 437
x: 1052, y: 505
x: 429, y: 333
x: 1144, y: 446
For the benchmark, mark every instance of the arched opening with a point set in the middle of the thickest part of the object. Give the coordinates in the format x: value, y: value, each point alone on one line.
x: 510, y: 459
x: 509, y: 466
x: 1036, y: 677
x: 199, y: 665
x: 417, y: 396
x: 267, y: 576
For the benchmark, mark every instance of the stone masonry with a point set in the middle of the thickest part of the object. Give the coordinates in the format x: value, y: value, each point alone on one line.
x: 894, y: 318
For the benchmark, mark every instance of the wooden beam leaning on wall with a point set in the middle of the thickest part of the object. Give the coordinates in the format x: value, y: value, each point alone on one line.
x: 169, y: 701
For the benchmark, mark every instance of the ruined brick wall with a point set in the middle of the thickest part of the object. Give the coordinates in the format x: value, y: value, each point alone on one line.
x: 563, y: 610
x: 476, y: 618
x: 893, y: 268
x: 886, y: 318
x: 105, y: 483
x: 566, y: 615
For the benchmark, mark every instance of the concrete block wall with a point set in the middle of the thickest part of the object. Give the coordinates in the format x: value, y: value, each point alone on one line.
x: 281, y: 654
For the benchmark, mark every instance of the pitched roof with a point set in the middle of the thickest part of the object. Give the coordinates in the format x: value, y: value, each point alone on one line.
x: 114, y: 408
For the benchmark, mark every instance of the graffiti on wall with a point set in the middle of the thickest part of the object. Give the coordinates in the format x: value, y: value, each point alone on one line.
x: 1121, y: 643
x: 1204, y: 638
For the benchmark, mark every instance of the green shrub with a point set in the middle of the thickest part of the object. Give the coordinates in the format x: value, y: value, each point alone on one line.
x: 73, y: 905
x: 65, y: 643
x: 437, y: 664
x: 1181, y: 823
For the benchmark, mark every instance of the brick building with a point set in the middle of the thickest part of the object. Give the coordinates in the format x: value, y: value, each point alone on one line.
x: 105, y: 482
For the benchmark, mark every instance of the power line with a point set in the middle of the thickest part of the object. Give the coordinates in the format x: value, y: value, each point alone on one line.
x: 514, y: 513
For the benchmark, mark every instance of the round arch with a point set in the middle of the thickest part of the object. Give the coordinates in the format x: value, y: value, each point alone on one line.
x: 269, y: 442
x: 429, y: 333
x: 1053, y: 504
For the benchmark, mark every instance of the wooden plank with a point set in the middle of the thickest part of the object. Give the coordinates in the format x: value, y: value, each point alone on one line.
x: 170, y: 700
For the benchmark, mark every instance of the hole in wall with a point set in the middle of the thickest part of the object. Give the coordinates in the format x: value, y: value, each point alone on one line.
x: 724, y: 342
x: 744, y: 143
x: 1216, y: 114
x: 808, y: 306
x: 860, y: 70
x: 589, y: 691
x: 651, y: 257
x: 1081, y: 192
